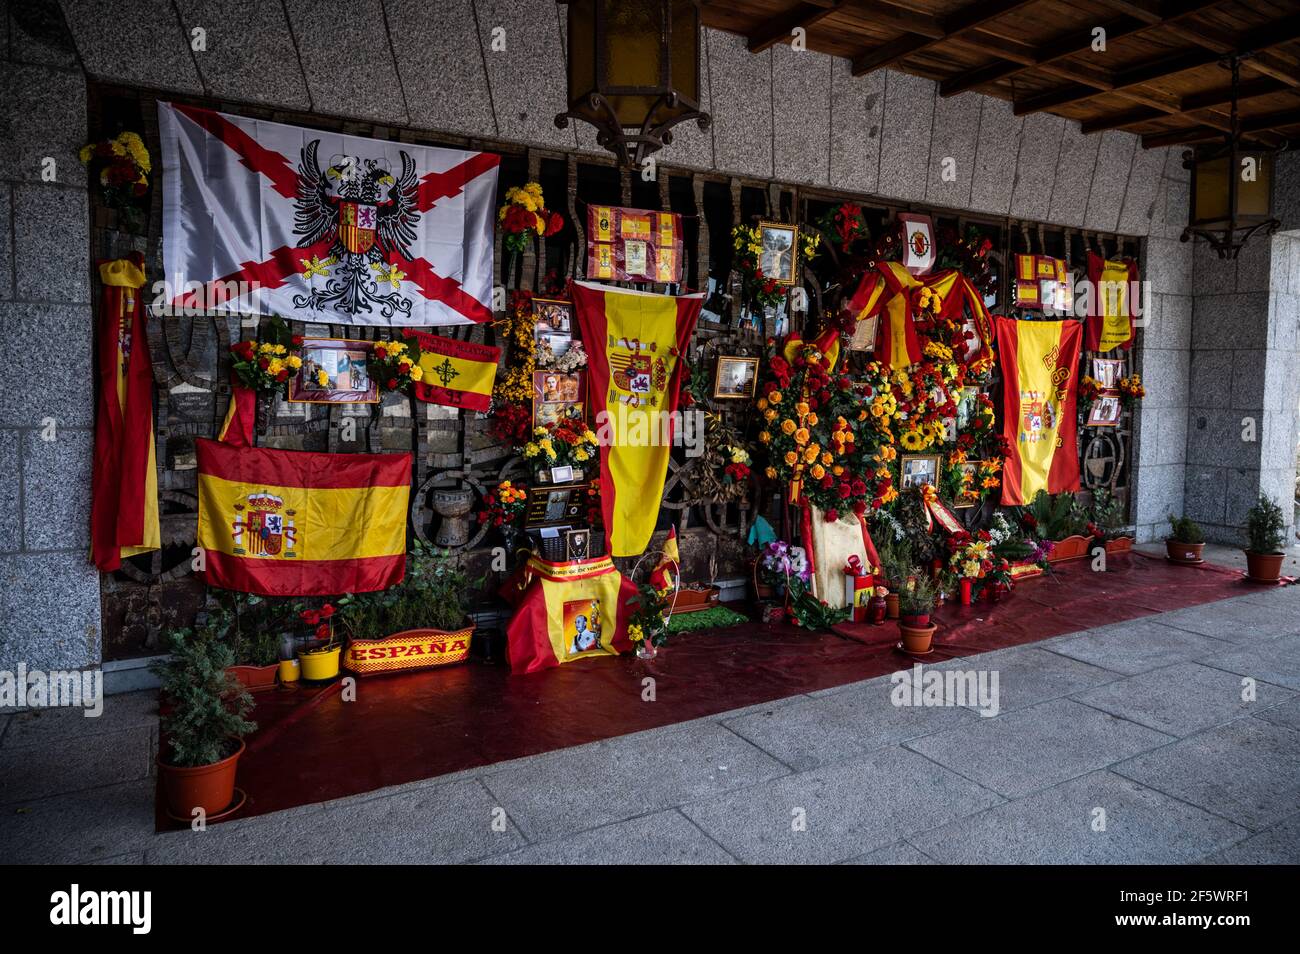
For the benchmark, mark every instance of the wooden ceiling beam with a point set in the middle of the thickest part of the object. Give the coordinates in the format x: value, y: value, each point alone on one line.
x: 1259, y: 38
x: 1263, y: 125
x: 1220, y: 96
x: 962, y: 20
x: 780, y: 28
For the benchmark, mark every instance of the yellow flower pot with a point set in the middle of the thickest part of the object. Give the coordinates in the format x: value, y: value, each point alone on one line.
x: 289, y: 671
x: 319, y: 664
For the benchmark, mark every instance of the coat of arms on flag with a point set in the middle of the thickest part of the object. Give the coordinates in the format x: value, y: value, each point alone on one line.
x: 323, y: 227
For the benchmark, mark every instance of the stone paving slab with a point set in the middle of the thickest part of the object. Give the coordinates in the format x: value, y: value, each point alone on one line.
x: 1042, y: 745
x: 440, y: 824
x: 1247, y: 771
x: 849, y: 809
x: 1286, y: 715
x: 809, y: 732
x: 1278, y: 845
x: 1028, y: 675
x: 1059, y: 825
x: 1243, y: 621
x: 1181, y: 699
x: 1277, y: 661
x: 81, y: 826
x: 30, y: 772
x: 1136, y: 646
x: 579, y: 789
x: 899, y: 853
x: 130, y: 710
x: 664, y: 838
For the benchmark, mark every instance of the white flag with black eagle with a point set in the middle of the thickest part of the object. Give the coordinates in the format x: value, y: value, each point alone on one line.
x: 265, y: 218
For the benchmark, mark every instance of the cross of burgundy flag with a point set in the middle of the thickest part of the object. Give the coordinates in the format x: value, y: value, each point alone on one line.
x: 264, y: 218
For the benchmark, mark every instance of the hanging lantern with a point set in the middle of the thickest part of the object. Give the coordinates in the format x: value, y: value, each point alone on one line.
x: 1232, y: 189
x: 634, y: 72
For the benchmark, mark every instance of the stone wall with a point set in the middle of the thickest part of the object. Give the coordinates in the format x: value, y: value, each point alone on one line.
x: 49, y: 592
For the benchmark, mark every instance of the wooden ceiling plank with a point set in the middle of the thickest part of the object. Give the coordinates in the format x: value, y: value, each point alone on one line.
x: 959, y: 21
x: 1258, y: 38
x: 780, y: 28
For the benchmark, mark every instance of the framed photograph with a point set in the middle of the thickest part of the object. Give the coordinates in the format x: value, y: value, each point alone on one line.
x: 780, y: 255
x: 919, y: 470
x: 967, y: 398
x: 549, y: 504
x: 577, y: 544
x: 864, y: 334
x: 1107, y: 372
x: 334, y: 372
x: 554, y: 392
x: 736, y: 377
x: 1105, y: 411
x: 553, y: 325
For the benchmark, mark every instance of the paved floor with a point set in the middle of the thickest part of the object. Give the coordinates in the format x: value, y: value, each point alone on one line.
x: 1131, y: 743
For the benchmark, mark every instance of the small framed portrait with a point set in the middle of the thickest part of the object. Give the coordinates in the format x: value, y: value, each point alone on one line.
x: 864, y: 334
x: 736, y: 377
x: 554, y: 392
x: 549, y: 504
x: 334, y: 372
x: 1105, y: 411
x: 577, y: 544
x: 1107, y: 372
x: 582, y: 627
x: 967, y: 399
x: 919, y: 470
x: 780, y: 253
x: 552, y: 316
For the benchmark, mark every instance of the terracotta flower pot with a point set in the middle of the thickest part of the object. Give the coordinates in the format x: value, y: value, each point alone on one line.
x: 916, y: 639
x: 254, y: 678
x: 1071, y: 548
x: 891, y: 606
x: 209, y: 787
x: 915, y: 620
x: 1185, y: 553
x: 1119, y: 545
x: 1264, y: 567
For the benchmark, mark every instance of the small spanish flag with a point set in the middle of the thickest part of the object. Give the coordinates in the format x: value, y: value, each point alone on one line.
x: 455, y: 373
x: 1040, y: 387
x: 289, y: 523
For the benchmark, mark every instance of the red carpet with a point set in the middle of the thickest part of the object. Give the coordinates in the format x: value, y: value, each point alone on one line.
x: 312, y: 746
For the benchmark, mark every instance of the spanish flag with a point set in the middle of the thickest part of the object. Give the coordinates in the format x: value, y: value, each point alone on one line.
x: 1040, y: 387
x: 1110, y: 317
x: 455, y: 373
x: 634, y: 340
x: 568, y: 611
x: 891, y: 288
x: 288, y: 523
x: 124, y: 501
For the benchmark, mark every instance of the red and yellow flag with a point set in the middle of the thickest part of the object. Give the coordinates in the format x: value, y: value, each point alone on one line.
x: 1040, y: 387
x: 288, y: 523
x: 455, y: 373
x: 568, y: 611
x: 634, y: 340
x: 892, y: 289
x: 124, y: 501
x: 1110, y: 315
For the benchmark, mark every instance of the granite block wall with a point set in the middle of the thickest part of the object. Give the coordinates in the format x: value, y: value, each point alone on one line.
x: 49, y: 592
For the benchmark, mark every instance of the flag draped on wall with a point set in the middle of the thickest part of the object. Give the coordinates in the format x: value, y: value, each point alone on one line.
x: 567, y: 611
x: 455, y: 373
x: 124, y: 503
x: 267, y: 218
x: 891, y: 288
x: 288, y: 523
x: 634, y: 340
x: 1040, y: 386
x: 1111, y: 312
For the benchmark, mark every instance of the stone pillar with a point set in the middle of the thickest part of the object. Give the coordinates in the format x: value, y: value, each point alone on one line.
x: 1163, y: 359
x: 1241, y: 438
x: 49, y: 591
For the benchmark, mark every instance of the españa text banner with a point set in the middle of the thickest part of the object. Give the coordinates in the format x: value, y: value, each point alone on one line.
x: 634, y: 340
x: 288, y: 523
x: 1040, y: 369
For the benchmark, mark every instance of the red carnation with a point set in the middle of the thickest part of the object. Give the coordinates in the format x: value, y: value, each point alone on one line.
x: 554, y: 223
x: 392, y: 384
x: 263, y: 363
x: 282, y: 376
x: 404, y: 367
x: 297, y: 340
x: 832, y: 515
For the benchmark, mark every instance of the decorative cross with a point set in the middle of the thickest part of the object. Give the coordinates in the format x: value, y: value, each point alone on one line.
x: 446, y: 371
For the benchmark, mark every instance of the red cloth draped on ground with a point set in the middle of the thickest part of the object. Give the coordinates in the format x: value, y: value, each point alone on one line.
x: 124, y: 503
x: 1040, y: 387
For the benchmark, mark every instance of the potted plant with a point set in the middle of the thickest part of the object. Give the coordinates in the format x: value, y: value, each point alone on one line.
x: 1185, y: 541
x: 320, y: 660
x: 203, y: 729
x: 895, y: 566
x: 1059, y: 519
x: 1265, y: 531
x: 647, y: 625
x: 420, y: 623
x: 916, y: 603
x: 782, y: 571
x: 254, y: 627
